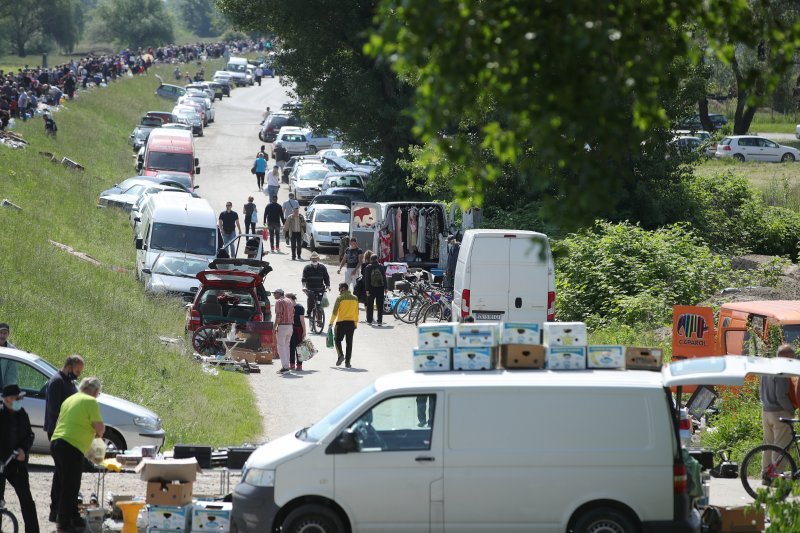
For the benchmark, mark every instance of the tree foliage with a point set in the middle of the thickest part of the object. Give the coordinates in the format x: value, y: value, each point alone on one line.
x: 201, y: 17
x: 134, y: 23
x: 32, y: 22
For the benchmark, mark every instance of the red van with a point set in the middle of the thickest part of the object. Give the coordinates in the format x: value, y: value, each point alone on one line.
x: 169, y: 150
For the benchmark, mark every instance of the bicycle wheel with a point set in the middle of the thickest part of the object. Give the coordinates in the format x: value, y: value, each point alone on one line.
x: 422, y: 311
x: 402, y: 306
x: 8, y: 522
x: 414, y: 309
x: 763, y: 465
x: 205, y: 341
x: 318, y: 320
x: 435, y: 313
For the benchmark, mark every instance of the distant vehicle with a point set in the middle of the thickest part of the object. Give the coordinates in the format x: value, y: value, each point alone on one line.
x: 289, y: 166
x: 192, y: 117
x: 355, y: 195
x: 174, y: 275
x: 135, y: 215
x: 183, y: 124
x: 754, y: 148
x: 685, y: 144
x: 340, y: 164
x: 171, y: 179
x: 218, y: 89
x: 797, y: 131
x: 317, y: 141
x: 142, y: 131
x: 331, y: 199
x: 170, y: 151
x: 202, y: 87
x: 306, y: 180
x: 198, y: 106
x: 171, y: 92
x: 127, y: 198
x: 237, y: 66
x: 224, y: 79
x: 693, y: 123
x: 128, y: 425
x: 326, y: 224
x: 274, y: 122
x: 343, y: 179
x: 165, y: 116
x: 201, y: 99
x: 292, y: 140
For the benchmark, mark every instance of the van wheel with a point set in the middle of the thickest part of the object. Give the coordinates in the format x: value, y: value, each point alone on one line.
x: 604, y: 520
x: 312, y: 519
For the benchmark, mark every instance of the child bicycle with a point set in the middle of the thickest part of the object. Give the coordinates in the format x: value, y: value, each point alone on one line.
x: 8, y: 522
x: 766, y: 463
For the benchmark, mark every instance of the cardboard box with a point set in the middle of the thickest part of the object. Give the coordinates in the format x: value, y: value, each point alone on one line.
x: 522, y: 356
x: 169, y: 518
x: 564, y: 334
x: 171, y: 493
x: 741, y: 520
x: 637, y: 358
x: 479, y: 358
x: 436, y: 360
x: 566, y: 358
x: 183, y: 470
x: 520, y: 333
x: 477, y: 335
x: 605, y: 356
x: 212, y: 516
x: 437, y: 335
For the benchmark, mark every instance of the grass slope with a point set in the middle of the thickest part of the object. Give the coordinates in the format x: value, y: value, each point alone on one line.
x: 59, y: 305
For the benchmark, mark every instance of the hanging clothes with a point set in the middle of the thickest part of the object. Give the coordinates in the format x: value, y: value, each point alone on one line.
x: 435, y: 226
x: 388, y: 222
x: 398, y: 233
x: 412, y: 229
x: 442, y: 245
x: 385, y: 246
x: 421, y: 233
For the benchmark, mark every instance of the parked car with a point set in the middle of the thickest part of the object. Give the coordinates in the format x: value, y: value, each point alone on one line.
x: 326, y: 224
x: 201, y: 99
x: 330, y: 199
x: 355, y: 195
x: 127, y: 198
x: 142, y: 131
x: 174, y: 275
x: 177, y: 180
x: 165, y: 116
x: 349, y: 160
x: 191, y: 115
x: 306, y: 180
x: 343, y: 179
x: 693, y: 123
x: 127, y: 424
x: 224, y: 79
x: 317, y: 141
x: 135, y: 214
x: 201, y: 87
x: 340, y: 164
x: 292, y: 139
x: 171, y: 92
x: 289, y: 166
x: 219, y: 91
x: 754, y: 148
x: 685, y: 145
x: 274, y: 122
x: 181, y: 124
x: 198, y: 106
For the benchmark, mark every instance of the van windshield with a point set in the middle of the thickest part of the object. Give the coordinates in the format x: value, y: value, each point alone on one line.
x: 791, y: 334
x: 170, y: 161
x: 237, y: 67
x: 316, y: 432
x: 186, y: 239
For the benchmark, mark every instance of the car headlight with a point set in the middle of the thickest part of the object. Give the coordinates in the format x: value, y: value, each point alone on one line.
x: 148, y: 422
x: 259, y: 477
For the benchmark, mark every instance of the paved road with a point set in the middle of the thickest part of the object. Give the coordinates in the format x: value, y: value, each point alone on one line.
x: 289, y: 402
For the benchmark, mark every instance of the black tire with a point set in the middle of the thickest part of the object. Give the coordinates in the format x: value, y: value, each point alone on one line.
x: 312, y: 245
x: 604, y: 520
x: 312, y: 519
x: 787, y: 158
x: 434, y: 313
x: 739, y: 158
x: 318, y: 320
x: 403, y: 306
x: 113, y: 438
x: 200, y: 134
x: 8, y: 522
x: 750, y: 470
x: 312, y: 149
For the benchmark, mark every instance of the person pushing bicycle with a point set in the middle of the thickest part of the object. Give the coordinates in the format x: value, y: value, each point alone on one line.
x: 316, y: 281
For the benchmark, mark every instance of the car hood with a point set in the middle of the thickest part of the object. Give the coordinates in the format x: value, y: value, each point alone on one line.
x: 119, y: 198
x: 276, y: 452
x: 165, y: 282
x: 309, y: 184
x: 112, y: 407
x: 331, y: 226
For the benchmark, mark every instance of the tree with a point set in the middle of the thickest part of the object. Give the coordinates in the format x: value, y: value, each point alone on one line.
x: 134, y: 23
x: 200, y: 17
x: 30, y: 20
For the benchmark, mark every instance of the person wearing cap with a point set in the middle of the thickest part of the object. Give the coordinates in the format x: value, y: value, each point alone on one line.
x: 274, y: 182
x: 284, y: 322
x: 16, y: 436
x: 8, y: 367
x: 273, y: 220
x: 315, y: 281
x: 79, y: 422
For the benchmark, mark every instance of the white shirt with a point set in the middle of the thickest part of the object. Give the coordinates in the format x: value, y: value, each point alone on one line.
x: 274, y: 179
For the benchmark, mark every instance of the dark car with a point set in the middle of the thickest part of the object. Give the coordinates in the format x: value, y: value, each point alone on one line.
x: 142, y: 131
x: 171, y: 92
x: 218, y: 90
x: 694, y: 123
x: 355, y: 195
x: 340, y: 164
x: 165, y: 116
x: 330, y: 199
x: 274, y: 122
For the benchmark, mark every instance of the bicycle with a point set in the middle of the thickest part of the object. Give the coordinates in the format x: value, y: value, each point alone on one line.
x: 765, y: 464
x: 8, y: 522
x: 317, y: 313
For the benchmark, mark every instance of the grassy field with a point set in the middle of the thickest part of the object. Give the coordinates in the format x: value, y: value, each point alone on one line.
x: 779, y: 182
x: 59, y: 305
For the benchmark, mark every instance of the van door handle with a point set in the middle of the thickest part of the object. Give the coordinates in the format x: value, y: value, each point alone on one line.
x: 518, y: 303
x: 424, y: 458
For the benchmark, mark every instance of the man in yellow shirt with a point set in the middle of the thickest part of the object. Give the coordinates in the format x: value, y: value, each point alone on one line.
x: 79, y: 422
x: 345, y: 314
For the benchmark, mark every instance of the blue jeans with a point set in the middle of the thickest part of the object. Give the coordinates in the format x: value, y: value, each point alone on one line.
x: 229, y: 237
x: 272, y: 190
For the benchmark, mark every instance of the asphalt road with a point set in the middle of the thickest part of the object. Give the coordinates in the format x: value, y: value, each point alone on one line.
x: 290, y: 401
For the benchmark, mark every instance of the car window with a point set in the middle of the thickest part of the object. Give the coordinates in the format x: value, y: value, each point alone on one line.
x: 333, y: 215
x: 135, y: 190
x: 178, y: 266
x: 29, y: 379
x: 226, y: 295
x: 187, y: 239
x: 312, y: 175
x: 769, y: 144
x: 402, y: 423
x: 726, y: 141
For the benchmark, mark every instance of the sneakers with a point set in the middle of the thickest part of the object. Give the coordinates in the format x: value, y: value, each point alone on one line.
x: 299, y: 366
x: 347, y: 365
x: 283, y: 370
x: 272, y: 249
x: 339, y: 360
x: 291, y: 366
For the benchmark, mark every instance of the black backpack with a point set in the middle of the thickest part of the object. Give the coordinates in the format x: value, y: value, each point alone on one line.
x: 376, y: 277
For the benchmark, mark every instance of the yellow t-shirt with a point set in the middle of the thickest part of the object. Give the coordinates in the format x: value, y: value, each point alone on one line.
x: 75, y: 420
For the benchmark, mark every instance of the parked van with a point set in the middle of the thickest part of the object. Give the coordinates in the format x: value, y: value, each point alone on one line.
x: 237, y: 66
x: 176, y: 224
x: 493, y: 451
x: 504, y: 275
x: 169, y: 150
x: 744, y: 328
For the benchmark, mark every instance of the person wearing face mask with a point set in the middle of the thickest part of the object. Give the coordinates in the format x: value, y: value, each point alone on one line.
x: 315, y: 281
x: 59, y: 388
x: 16, y: 436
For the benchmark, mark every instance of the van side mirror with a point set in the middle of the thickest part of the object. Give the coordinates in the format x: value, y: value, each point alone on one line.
x: 137, y: 219
x: 196, y: 161
x: 196, y: 186
x: 139, y: 244
x: 146, y: 271
x: 345, y: 443
x: 197, y: 170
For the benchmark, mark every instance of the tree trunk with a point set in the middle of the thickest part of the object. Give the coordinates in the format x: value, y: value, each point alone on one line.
x: 744, y: 112
x: 703, y: 112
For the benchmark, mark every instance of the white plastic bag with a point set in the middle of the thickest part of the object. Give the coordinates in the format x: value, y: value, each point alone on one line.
x: 97, y: 451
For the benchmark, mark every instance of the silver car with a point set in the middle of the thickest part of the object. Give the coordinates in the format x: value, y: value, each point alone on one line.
x: 127, y: 424
x: 174, y: 275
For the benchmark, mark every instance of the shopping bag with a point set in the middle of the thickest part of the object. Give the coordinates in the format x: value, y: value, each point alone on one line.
x: 324, y: 303
x: 306, y: 350
x: 97, y: 451
x: 329, y: 339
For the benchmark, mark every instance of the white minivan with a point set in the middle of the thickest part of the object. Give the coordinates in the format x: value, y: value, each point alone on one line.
x: 504, y: 275
x: 494, y: 451
x: 175, y: 224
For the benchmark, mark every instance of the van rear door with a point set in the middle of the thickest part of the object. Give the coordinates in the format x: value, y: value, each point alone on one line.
x: 488, y: 267
x: 729, y: 370
x: 528, y: 275
x: 365, y: 222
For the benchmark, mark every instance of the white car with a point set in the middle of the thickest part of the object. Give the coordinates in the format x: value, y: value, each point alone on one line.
x: 202, y: 99
x: 343, y: 179
x: 176, y: 275
x: 754, y: 148
x: 127, y: 424
x: 326, y: 224
x: 305, y: 181
x: 318, y: 141
x: 293, y: 139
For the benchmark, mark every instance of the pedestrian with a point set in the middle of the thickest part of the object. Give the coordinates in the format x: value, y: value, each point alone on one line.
x: 315, y: 281
x: 453, y: 247
x: 298, y: 333
x: 228, y: 226
x: 775, y: 404
x: 250, y: 216
x: 259, y: 73
x: 16, y: 436
x: 290, y: 205
x: 281, y: 155
x: 50, y: 127
x: 352, y: 260
x: 8, y: 367
x: 375, y: 285
x: 60, y: 387
x: 263, y: 150
x: 274, y: 182
x: 284, y: 321
x: 294, y: 228
x: 345, y: 315
x: 273, y: 220
x: 260, y: 169
x: 79, y: 422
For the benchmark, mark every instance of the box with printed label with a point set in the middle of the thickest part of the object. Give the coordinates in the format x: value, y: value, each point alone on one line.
x: 520, y: 333
x: 173, y: 493
x: 479, y: 358
x: 477, y: 334
x: 566, y: 357
x: 522, y: 356
x: 168, y: 517
x: 564, y: 334
x: 605, y: 356
x: 435, y: 360
x: 212, y: 516
x: 437, y: 335
x: 638, y: 358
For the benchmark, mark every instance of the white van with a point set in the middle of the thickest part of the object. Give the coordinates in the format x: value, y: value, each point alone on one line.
x: 494, y: 451
x: 237, y: 66
x: 175, y: 224
x: 504, y: 275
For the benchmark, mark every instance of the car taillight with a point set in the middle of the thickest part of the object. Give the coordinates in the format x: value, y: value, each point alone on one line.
x: 465, y: 303
x: 727, y: 148
x: 551, y: 306
x: 679, y: 479
x: 194, y: 320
